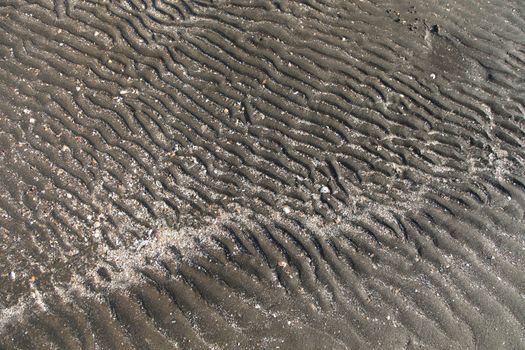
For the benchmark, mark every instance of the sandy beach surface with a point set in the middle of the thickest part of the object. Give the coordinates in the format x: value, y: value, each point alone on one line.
x: 256, y: 174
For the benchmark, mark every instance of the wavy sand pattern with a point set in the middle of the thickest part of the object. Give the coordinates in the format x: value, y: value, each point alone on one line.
x: 316, y: 174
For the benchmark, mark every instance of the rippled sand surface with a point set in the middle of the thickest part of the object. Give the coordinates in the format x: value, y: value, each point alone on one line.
x: 317, y: 174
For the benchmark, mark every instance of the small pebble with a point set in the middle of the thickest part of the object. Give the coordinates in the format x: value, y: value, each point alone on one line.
x: 12, y: 275
x: 32, y: 120
x: 324, y: 190
x: 432, y: 76
x: 286, y: 210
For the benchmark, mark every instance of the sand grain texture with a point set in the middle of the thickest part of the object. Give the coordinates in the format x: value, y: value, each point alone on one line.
x: 262, y: 174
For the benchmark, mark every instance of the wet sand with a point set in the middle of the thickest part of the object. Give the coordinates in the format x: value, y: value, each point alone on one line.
x: 262, y: 174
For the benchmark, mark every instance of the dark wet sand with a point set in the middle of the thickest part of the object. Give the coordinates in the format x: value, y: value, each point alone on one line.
x: 262, y: 174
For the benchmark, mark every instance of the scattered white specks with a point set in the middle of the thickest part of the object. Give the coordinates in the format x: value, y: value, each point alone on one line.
x: 324, y: 190
x: 139, y: 244
x: 12, y: 275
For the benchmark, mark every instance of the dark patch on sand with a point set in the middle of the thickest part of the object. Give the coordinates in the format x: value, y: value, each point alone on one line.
x: 262, y: 174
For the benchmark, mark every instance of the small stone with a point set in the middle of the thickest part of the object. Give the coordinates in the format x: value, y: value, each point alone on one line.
x: 432, y: 76
x: 286, y: 210
x: 282, y: 264
x: 32, y: 120
x: 12, y: 275
x: 324, y: 190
